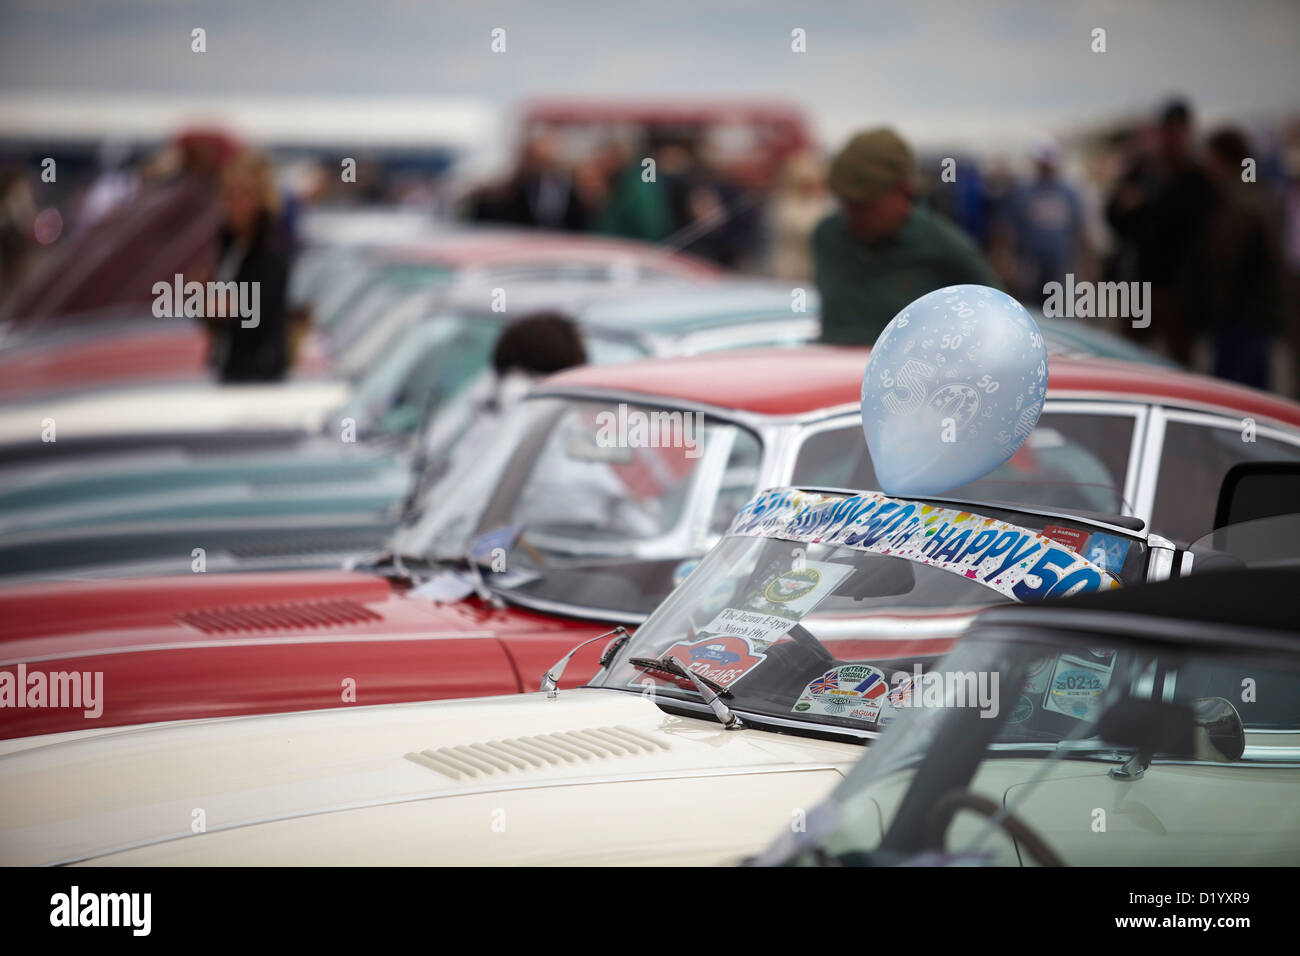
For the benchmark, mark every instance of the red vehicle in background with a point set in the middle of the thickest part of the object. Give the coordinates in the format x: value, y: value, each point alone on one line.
x: 749, y: 139
x: 171, y: 227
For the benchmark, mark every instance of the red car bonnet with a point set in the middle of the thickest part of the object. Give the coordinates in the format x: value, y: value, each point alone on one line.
x: 224, y: 645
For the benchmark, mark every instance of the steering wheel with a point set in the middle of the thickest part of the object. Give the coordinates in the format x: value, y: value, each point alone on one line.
x: 945, y: 810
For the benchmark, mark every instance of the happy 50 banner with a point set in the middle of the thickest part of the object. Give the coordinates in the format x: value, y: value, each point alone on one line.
x: 1022, y: 564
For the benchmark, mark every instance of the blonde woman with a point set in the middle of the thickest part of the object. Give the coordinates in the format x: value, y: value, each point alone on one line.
x: 251, y: 254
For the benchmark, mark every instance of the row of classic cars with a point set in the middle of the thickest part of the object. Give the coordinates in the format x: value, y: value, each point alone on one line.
x: 563, y: 637
x: 145, y: 511
x: 592, y: 534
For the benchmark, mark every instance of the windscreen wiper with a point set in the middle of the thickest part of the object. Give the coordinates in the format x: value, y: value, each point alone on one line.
x: 710, y: 690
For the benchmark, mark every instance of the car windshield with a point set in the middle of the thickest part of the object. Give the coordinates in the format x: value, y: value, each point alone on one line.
x: 1052, y: 732
x: 440, y: 373
x: 347, y: 278
x: 470, y: 405
x: 815, y: 607
x: 375, y: 296
x: 433, y: 361
x: 595, y: 504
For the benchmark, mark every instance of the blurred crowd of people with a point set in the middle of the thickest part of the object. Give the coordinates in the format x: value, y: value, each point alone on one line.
x: 1208, y: 229
x: 1153, y: 202
x: 1211, y: 221
x: 666, y: 190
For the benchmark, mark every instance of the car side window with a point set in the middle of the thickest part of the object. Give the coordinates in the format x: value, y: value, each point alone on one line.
x: 739, y: 480
x: 834, y: 458
x: 1192, y: 466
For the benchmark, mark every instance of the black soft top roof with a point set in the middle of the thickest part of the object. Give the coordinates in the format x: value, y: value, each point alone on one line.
x: 1261, y: 598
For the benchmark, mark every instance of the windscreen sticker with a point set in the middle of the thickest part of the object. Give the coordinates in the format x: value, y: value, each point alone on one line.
x: 898, y: 698
x: 1107, y: 551
x: 1021, y: 564
x: 780, y: 602
x: 1101, y: 657
x: 795, y: 592
x: 790, y: 586
x: 1076, y: 688
x: 723, y: 660
x: 1073, y: 538
x: 761, y: 629
x: 901, y: 696
x: 855, y: 691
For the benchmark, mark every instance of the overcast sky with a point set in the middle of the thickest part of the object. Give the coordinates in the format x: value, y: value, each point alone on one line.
x: 924, y: 65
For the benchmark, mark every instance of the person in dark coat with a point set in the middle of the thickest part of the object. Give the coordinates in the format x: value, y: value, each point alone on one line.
x: 1244, y: 304
x: 251, y: 254
x: 541, y: 194
x: 1161, y: 211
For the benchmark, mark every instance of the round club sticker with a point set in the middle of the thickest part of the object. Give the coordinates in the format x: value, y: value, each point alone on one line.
x: 792, y: 585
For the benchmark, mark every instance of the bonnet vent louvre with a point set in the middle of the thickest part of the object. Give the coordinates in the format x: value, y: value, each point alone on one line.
x: 540, y: 752
x: 278, y: 617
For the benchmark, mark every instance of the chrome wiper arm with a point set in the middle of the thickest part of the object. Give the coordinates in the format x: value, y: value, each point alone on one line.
x: 551, y: 679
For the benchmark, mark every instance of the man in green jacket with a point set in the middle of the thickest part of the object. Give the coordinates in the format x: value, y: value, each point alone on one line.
x: 882, y: 249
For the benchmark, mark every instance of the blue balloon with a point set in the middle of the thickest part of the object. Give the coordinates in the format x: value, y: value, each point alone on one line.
x: 954, y: 386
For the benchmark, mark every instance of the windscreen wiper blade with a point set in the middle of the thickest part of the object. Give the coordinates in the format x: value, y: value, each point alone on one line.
x: 667, y: 665
x: 710, y: 690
